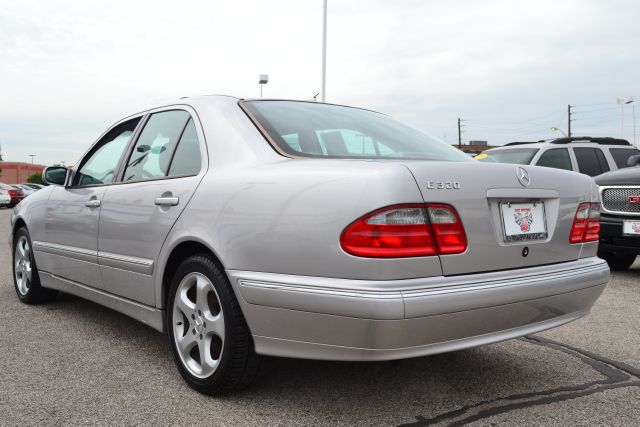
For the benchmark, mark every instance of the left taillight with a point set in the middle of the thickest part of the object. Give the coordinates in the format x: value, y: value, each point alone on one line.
x: 586, y: 223
x: 408, y: 230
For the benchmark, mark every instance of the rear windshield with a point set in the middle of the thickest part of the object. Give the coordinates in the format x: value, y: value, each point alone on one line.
x: 312, y: 129
x: 519, y: 156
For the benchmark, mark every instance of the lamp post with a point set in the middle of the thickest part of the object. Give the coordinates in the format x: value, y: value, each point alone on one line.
x: 263, y: 79
x: 32, y: 156
x: 323, y: 84
x: 622, y: 101
x: 555, y: 129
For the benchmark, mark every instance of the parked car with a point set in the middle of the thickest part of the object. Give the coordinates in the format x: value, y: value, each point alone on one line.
x: 299, y: 229
x: 587, y: 155
x: 35, y: 187
x: 5, y: 198
x: 620, y: 216
x: 26, y: 190
x: 16, y: 194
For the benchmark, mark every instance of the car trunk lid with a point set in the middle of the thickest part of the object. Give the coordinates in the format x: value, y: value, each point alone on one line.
x: 479, y: 192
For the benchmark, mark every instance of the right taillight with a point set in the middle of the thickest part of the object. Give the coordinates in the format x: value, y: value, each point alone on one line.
x: 408, y: 230
x: 586, y: 224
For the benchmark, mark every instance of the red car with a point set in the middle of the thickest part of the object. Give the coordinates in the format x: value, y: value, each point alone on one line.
x: 16, y: 194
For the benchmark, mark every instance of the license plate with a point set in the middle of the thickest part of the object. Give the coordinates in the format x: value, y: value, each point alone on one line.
x: 523, y: 221
x: 631, y: 228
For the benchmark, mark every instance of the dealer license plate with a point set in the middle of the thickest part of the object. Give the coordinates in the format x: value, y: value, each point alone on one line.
x: 631, y: 228
x: 523, y: 221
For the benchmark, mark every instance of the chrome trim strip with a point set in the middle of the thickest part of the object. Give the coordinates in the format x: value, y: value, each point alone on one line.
x: 321, y: 291
x: 146, y: 314
x: 73, y: 252
x: 604, y: 209
x: 124, y: 262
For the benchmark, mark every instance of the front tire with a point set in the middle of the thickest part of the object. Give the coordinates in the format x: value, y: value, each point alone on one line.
x: 26, y: 279
x: 210, y: 340
x: 619, y: 262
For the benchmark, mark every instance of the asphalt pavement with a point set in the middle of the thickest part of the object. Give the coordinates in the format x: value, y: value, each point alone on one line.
x: 75, y: 362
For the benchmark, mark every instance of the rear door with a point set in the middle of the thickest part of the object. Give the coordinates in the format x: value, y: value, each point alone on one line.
x: 71, y: 222
x: 164, y: 166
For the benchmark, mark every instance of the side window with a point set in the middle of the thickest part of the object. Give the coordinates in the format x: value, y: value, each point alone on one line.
x: 186, y: 160
x: 151, y: 156
x: 589, y: 162
x: 100, y: 167
x: 621, y: 155
x: 602, y: 160
x: 556, y: 158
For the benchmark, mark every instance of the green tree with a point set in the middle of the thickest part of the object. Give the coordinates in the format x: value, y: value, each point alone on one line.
x: 36, y: 178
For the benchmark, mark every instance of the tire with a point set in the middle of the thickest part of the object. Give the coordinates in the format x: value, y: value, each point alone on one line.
x: 204, y: 320
x: 619, y: 262
x: 26, y: 279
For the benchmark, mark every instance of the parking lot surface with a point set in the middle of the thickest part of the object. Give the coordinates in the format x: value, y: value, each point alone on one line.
x: 75, y: 362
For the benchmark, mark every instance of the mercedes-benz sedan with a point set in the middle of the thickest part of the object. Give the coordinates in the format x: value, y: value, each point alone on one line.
x: 244, y: 228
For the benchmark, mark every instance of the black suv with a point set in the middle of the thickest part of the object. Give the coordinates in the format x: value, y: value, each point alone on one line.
x: 620, y: 215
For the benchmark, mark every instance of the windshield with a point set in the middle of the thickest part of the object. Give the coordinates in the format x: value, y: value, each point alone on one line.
x: 312, y: 129
x: 518, y: 156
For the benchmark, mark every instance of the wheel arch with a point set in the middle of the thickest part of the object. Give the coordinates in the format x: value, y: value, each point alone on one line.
x: 19, y: 223
x: 178, y: 253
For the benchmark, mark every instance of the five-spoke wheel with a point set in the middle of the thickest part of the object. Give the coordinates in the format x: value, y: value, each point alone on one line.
x: 209, y: 337
x: 198, y: 325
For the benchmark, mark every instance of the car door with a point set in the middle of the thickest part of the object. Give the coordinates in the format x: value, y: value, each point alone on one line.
x: 72, y: 213
x: 164, y: 167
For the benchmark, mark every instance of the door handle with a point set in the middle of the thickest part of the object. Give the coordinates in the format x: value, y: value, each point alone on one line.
x: 93, y: 203
x: 167, y: 201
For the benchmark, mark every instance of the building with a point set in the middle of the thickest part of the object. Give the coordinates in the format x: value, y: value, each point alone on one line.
x: 17, y: 172
x: 475, y: 147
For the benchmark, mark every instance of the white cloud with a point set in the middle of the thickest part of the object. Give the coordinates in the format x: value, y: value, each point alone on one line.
x: 70, y: 68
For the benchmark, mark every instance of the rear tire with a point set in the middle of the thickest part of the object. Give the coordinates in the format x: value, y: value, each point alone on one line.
x: 618, y: 262
x: 26, y: 279
x: 209, y: 337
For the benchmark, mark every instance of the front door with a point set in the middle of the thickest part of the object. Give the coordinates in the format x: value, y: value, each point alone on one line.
x: 70, y: 248
x: 162, y: 171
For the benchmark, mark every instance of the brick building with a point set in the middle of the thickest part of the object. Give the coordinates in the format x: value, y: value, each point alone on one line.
x: 17, y: 172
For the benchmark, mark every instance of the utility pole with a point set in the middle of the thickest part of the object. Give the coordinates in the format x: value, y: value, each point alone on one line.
x: 459, y: 133
x: 569, y: 120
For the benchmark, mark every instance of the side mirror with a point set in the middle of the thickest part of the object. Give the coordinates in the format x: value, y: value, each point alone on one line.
x: 55, y: 175
x: 633, y: 161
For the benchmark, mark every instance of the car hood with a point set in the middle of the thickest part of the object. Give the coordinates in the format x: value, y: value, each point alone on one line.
x: 626, y: 176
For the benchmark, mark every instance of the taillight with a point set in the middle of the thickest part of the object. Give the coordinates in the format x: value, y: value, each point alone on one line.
x: 586, y: 224
x: 12, y: 193
x: 406, y: 231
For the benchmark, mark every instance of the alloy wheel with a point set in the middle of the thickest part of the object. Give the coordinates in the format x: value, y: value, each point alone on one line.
x: 198, y: 325
x: 22, y: 267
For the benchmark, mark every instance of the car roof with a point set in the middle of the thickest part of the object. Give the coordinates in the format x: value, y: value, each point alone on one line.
x: 563, y: 142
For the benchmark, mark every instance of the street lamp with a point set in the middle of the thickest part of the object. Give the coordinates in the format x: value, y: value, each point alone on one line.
x: 32, y: 156
x: 555, y: 129
x: 263, y: 79
x: 622, y: 101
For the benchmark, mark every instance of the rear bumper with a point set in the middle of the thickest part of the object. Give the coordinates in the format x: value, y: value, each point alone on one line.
x: 338, y: 319
x: 612, y: 239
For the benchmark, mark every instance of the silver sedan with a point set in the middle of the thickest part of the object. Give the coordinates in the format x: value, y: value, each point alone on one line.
x: 245, y: 228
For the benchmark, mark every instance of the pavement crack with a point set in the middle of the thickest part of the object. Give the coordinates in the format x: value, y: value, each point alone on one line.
x: 617, y: 375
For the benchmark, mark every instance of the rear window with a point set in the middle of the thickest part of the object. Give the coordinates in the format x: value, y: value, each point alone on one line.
x: 621, y: 155
x: 310, y: 129
x: 591, y: 161
x: 518, y: 156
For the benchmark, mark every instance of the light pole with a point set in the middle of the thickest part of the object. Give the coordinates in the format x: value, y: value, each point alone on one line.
x: 323, y: 85
x: 32, y: 156
x: 622, y: 101
x: 263, y: 79
x: 555, y: 129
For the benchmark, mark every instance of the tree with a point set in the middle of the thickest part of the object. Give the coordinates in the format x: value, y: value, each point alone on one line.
x: 36, y: 178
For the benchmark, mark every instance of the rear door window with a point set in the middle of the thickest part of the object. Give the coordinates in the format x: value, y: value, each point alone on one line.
x: 152, y: 154
x: 187, y: 160
x: 555, y: 158
x: 621, y: 155
x: 591, y: 161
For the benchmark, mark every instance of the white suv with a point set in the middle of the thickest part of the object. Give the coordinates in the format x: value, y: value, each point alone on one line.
x: 587, y: 155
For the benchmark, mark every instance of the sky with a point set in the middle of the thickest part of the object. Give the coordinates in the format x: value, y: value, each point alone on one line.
x: 508, y: 69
